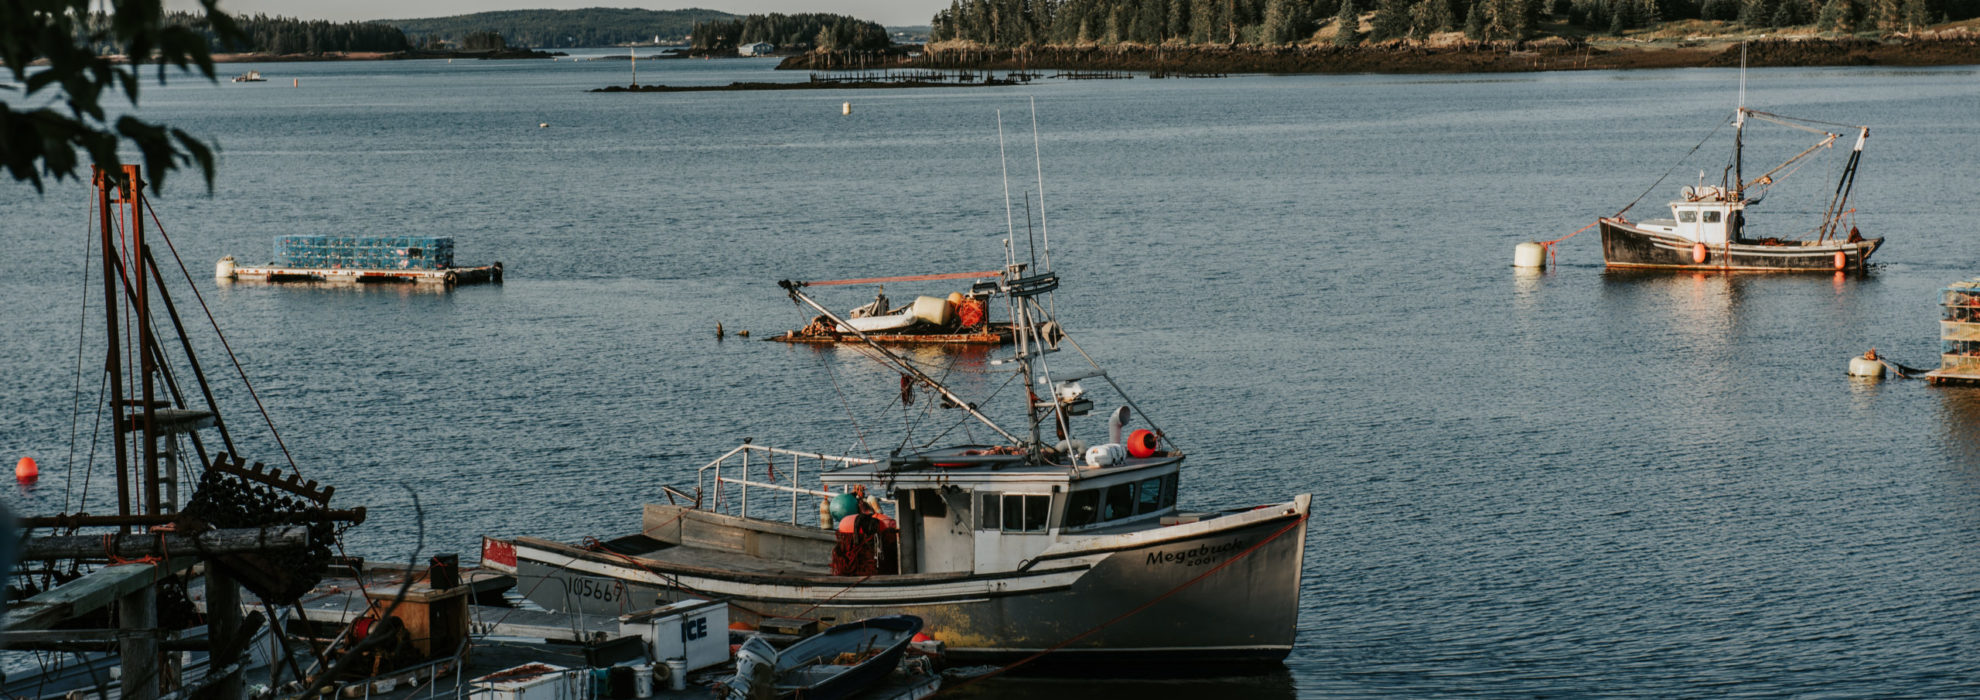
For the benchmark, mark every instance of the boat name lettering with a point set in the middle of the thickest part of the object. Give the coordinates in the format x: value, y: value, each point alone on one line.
x: 1198, y: 555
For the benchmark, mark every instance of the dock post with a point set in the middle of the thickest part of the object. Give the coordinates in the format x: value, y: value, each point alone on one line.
x: 137, y: 614
x: 223, y: 624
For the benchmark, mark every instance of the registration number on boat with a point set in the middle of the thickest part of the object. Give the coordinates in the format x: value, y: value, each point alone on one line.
x: 598, y: 589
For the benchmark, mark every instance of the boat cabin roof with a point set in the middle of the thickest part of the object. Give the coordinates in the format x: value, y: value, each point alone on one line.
x: 966, y: 467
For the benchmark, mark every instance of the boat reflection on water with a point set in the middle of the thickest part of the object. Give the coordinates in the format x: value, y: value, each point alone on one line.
x: 1959, y: 416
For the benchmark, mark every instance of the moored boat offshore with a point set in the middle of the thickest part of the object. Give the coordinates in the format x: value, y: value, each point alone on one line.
x: 1025, y: 548
x: 1707, y: 229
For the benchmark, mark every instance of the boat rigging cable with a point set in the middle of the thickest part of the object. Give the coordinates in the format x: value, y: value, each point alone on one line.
x: 249, y: 384
x: 1667, y: 173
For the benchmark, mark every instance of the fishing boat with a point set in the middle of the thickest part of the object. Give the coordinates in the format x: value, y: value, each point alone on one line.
x: 1032, y: 545
x: 958, y: 319
x: 253, y: 76
x: 1708, y: 228
x: 835, y: 664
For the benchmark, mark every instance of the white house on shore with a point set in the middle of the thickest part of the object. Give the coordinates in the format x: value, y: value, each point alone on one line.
x: 761, y: 48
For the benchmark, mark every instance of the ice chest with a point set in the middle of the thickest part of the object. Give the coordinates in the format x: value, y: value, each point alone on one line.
x: 693, y: 629
x: 527, y: 682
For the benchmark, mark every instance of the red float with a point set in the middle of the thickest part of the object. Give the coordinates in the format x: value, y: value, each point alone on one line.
x: 1141, y: 443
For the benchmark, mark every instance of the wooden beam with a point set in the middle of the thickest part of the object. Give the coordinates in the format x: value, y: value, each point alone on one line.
x: 80, y: 596
x: 228, y: 541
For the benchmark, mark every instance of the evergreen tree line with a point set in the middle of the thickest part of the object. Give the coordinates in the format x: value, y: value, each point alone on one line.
x: 1013, y: 23
x: 596, y: 26
x: 1016, y: 23
x: 286, y: 35
x: 1827, y: 15
x: 825, y: 32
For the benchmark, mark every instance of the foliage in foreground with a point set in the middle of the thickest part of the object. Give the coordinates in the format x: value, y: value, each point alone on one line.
x: 43, y: 142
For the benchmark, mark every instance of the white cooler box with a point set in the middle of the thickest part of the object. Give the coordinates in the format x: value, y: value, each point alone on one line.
x: 528, y: 682
x: 693, y: 629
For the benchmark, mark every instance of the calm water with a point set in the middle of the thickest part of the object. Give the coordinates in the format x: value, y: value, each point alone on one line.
x: 1569, y: 484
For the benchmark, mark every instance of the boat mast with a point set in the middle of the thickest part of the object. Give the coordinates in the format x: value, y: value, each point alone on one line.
x: 105, y: 182
x: 1837, y: 203
x: 1739, y: 131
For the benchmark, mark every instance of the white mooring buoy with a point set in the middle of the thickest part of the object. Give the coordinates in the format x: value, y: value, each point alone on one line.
x: 1530, y: 254
x: 224, y: 270
x: 1866, y: 365
x: 846, y: 108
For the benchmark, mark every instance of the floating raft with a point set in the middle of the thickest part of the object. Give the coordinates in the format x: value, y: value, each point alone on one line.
x: 993, y: 334
x: 444, y: 277
x: 1959, y: 335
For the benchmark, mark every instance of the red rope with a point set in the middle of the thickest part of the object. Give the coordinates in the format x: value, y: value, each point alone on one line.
x: 1549, y: 245
x: 1144, y: 606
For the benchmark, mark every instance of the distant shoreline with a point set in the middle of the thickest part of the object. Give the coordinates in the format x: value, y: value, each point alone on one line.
x: 504, y: 54
x: 815, y: 85
x: 1456, y: 57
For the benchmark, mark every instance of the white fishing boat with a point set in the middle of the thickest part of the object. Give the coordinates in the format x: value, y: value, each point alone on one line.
x: 253, y: 76
x: 1029, y: 547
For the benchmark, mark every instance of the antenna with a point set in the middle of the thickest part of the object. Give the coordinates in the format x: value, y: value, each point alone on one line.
x: 1028, y: 242
x: 1044, y: 229
x: 1010, y: 225
x: 1742, y: 77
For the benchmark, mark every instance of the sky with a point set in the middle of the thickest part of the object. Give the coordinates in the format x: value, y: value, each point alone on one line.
x: 893, y: 13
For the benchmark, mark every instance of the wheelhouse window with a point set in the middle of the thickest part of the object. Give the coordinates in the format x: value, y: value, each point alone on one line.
x: 1711, y: 217
x: 1120, y: 502
x: 1687, y: 216
x: 1013, y: 512
x: 1150, y: 498
x: 1094, y: 506
x: 987, y: 510
x: 1083, y: 508
x: 1024, y: 513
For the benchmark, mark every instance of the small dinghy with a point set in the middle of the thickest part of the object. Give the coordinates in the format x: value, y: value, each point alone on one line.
x: 835, y: 664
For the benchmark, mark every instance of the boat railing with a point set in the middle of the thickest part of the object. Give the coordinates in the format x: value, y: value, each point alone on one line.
x: 782, y: 470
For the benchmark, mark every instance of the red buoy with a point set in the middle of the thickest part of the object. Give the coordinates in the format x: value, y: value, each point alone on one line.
x: 26, y: 470
x: 1141, y: 443
x: 922, y: 637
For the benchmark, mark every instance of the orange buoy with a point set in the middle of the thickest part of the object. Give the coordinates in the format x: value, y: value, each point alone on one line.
x: 922, y: 637
x: 1698, y: 253
x: 1841, y: 260
x: 26, y: 470
x: 970, y: 312
x: 1141, y: 443
x: 741, y: 626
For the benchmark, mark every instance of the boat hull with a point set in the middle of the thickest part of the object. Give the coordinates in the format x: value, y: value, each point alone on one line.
x: 1625, y: 246
x: 1228, y: 593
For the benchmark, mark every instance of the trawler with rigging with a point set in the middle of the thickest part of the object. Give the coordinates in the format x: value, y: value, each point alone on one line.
x: 1707, y: 229
x: 1028, y: 547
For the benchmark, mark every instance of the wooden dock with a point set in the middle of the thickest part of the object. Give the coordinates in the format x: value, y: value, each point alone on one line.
x: 447, y: 277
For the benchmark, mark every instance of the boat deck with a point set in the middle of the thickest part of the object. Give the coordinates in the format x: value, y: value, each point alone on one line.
x: 643, y: 547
